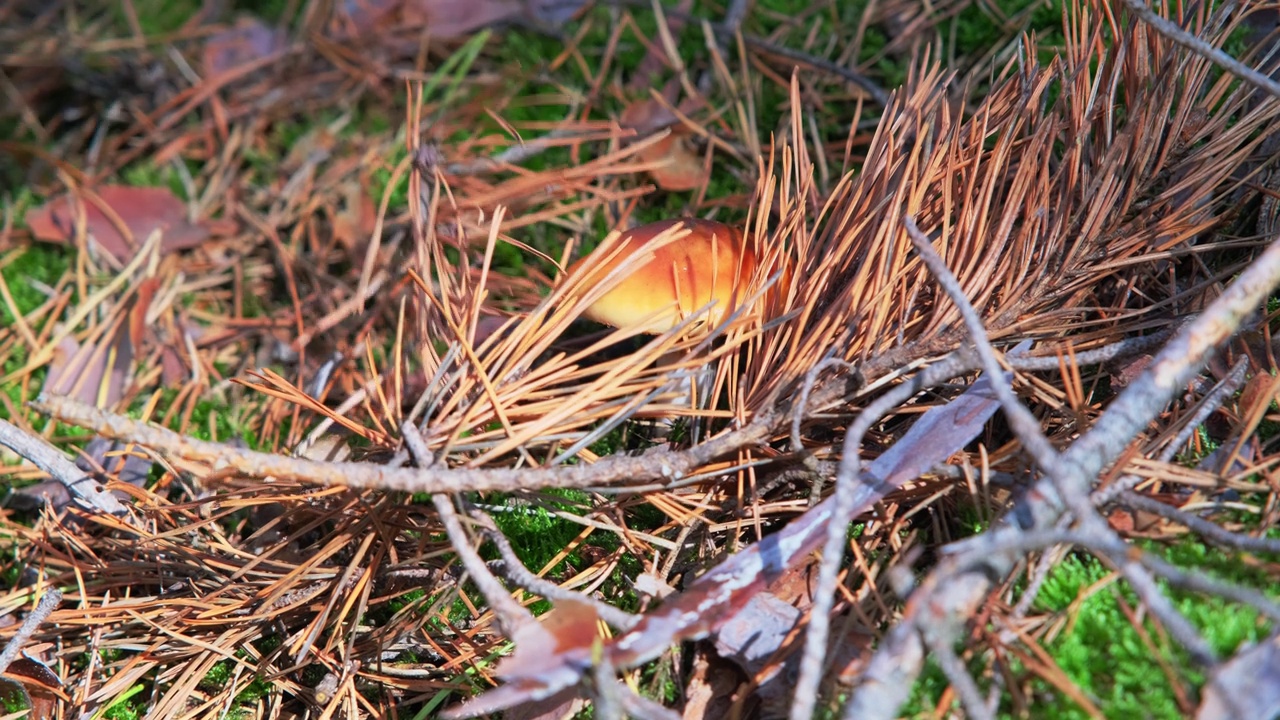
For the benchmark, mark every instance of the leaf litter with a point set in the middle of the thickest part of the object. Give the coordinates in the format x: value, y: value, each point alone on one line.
x: 354, y: 286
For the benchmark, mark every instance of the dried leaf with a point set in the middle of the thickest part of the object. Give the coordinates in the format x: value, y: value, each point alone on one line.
x: 361, y: 17
x: 142, y: 210
x: 28, y: 668
x: 249, y: 40
x: 755, y: 635
x: 138, y: 307
x: 561, y: 706
x: 647, y: 116
x: 79, y: 371
x: 1246, y: 686
x: 354, y: 223
x: 445, y: 18
x: 29, y: 683
x: 676, y: 163
x: 711, y: 687
x: 549, y: 658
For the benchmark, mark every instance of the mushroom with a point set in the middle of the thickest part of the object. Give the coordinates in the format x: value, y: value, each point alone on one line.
x: 684, y: 265
x: 672, y: 269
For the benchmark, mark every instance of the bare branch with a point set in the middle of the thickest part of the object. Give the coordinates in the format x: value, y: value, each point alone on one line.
x: 1201, y: 527
x: 516, y: 572
x: 663, y: 465
x: 953, y: 667
x: 510, y: 613
x: 851, y: 489
x: 955, y: 589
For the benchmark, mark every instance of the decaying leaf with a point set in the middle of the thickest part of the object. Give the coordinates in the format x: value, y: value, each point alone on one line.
x: 95, y: 374
x: 755, y: 636
x: 448, y: 19
x: 676, y: 163
x: 550, y: 657
x: 141, y: 211
x: 249, y: 40
x: 1246, y: 687
x: 712, y: 685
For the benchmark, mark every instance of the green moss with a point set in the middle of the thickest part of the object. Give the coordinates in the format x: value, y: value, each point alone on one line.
x: 37, y: 264
x: 157, y: 16
x: 124, y: 707
x: 380, y: 178
x: 1104, y: 655
x: 13, y: 699
x: 269, y: 10
x: 147, y: 174
x: 537, y: 537
x: 229, y: 419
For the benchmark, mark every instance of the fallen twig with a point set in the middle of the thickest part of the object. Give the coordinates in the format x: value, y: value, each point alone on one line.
x: 665, y: 465
x: 1199, y: 46
x: 952, y: 591
x: 49, y: 459
x: 48, y: 603
x: 511, y: 614
x: 517, y: 573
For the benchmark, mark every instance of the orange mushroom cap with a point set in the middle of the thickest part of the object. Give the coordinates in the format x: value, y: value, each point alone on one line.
x: 672, y: 279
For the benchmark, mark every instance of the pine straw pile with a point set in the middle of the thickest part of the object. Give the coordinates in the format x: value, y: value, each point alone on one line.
x: 1090, y: 205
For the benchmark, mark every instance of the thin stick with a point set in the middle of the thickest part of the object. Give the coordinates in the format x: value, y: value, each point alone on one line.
x: 48, y: 458
x: 848, y: 485
x: 663, y: 465
x: 1073, y: 491
x: 1171, y: 30
x: 517, y: 573
x: 48, y: 603
x: 954, y: 589
x: 510, y: 613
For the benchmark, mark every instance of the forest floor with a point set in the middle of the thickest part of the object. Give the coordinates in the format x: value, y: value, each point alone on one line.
x: 288, y: 280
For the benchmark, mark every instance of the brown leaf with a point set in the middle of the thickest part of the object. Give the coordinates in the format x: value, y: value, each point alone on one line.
x: 78, y: 371
x: 561, y: 706
x: 249, y: 40
x: 141, y: 210
x: 139, y: 305
x: 753, y: 637
x: 647, y: 116
x: 711, y: 687
x: 30, y: 683
x: 30, y: 669
x: 354, y: 222
x: 1130, y: 370
x: 677, y: 164
x: 443, y: 18
x: 459, y: 18
x: 361, y: 17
